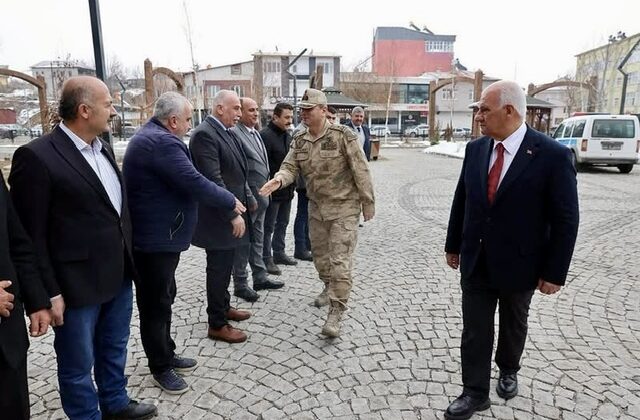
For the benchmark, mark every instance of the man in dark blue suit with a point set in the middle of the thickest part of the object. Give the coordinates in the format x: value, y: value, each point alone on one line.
x: 362, y: 131
x: 164, y: 188
x: 512, y: 230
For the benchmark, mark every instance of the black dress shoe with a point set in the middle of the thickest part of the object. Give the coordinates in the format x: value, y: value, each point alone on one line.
x: 284, y: 259
x: 464, y: 406
x: 135, y: 410
x: 303, y: 255
x: 507, y: 386
x: 247, y: 294
x: 267, y: 284
x: 272, y: 268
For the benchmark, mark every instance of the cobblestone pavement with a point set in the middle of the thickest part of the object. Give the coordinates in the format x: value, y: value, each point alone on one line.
x: 398, y: 357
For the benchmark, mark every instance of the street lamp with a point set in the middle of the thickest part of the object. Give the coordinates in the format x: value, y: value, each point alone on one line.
x: 611, y: 40
x: 295, y: 87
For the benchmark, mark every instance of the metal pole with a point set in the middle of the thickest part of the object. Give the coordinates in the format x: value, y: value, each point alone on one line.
x: 98, y: 51
x: 295, y: 87
x: 96, y: 32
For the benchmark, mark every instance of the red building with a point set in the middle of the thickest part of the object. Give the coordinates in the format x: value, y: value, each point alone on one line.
x: 404, y: 52
x: 7, y: 116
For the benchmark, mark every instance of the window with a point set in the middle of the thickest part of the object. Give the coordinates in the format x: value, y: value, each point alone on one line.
x: 448, y: 94
x: 417, y: 94
x: 271, y: 67
x: 558, y: 132
x: 326, y: 67
x: 617, y: 129
x: 238, y: 89
x: 438, y: 46
x: 275, y: 92
x: 567, y: 130
x: 212, y: 90
x: 578, y: 129
x: 630, y: 98
x: 236, y: 69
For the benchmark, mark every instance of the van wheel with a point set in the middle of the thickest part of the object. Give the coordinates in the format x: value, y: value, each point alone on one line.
x: 626, y: 168
x: 574, y: 162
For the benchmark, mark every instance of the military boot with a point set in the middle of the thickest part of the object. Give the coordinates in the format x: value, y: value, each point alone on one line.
x: 322, y: 299
x: 331, y: 327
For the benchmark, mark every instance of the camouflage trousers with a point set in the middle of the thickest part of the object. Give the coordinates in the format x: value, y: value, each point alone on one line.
x: 332, y: 245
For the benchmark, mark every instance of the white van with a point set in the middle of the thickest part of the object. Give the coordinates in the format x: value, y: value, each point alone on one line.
x: 612, y: 140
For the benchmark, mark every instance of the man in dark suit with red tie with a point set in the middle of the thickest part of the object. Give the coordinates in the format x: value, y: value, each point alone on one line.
x: 512, y: 230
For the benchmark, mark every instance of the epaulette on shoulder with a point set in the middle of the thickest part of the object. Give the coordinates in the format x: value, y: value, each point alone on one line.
x: 300, y: 132
x: 339, y: 127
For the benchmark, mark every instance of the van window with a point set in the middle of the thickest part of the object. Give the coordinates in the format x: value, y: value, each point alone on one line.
x: 567, y: 130
x: 578, y: 129
x: 615, y: 129
x: 558, y: 132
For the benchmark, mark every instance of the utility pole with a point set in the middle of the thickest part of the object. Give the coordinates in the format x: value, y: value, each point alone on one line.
x: 295, y: 87
x: 98, y: 51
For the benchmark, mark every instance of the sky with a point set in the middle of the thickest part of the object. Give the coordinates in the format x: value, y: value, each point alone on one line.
x: 530, y: 42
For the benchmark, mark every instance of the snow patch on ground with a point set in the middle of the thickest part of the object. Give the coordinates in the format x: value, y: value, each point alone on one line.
x: 448, y: 148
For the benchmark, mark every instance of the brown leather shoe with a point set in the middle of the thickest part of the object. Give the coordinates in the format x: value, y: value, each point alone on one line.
x: 228, y: 334
x: 234, y: 314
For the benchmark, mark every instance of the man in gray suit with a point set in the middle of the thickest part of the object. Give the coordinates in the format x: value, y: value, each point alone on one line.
x: 257, y: 176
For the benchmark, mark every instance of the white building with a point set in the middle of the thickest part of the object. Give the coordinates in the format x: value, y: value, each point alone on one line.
x: 55, y: 72
x: 263, y: 78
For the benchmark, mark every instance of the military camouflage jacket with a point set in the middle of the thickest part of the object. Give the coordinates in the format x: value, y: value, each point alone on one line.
x: 335, y: 169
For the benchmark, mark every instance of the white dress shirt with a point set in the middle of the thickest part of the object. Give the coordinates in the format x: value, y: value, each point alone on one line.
x: 100, y: 165
x: 360, y: 133
x: 511, y: 145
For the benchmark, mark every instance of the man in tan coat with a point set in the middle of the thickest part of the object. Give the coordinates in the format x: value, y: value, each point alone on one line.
x: 339, y: 187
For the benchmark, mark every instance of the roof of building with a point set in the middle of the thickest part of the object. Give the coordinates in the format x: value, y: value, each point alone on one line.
x: 61, y: 63
x: 630, y: 38
x: 532, y: 102
x: 310, y: 53
x: 399, y: 33
x: 336, y: 98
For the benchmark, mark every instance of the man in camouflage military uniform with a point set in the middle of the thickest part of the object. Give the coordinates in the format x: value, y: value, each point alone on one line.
x: 339, y: 187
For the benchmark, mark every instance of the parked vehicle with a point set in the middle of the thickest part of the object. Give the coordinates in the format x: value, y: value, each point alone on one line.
x: 611, y: 140
x: 380, y: 131
x: 462, y: 133
x: 421, y: 130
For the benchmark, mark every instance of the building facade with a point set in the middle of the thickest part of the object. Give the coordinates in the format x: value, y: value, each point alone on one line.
x: 403, y: 52
x: 616, y: 65
x: 264, y: 78
x: 55, y: 72
x: 403, y: 102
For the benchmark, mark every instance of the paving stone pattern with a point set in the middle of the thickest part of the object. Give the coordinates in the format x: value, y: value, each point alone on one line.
x: 398, y: 357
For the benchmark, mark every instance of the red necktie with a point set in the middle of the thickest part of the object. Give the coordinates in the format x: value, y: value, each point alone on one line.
x: 494, y: 173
